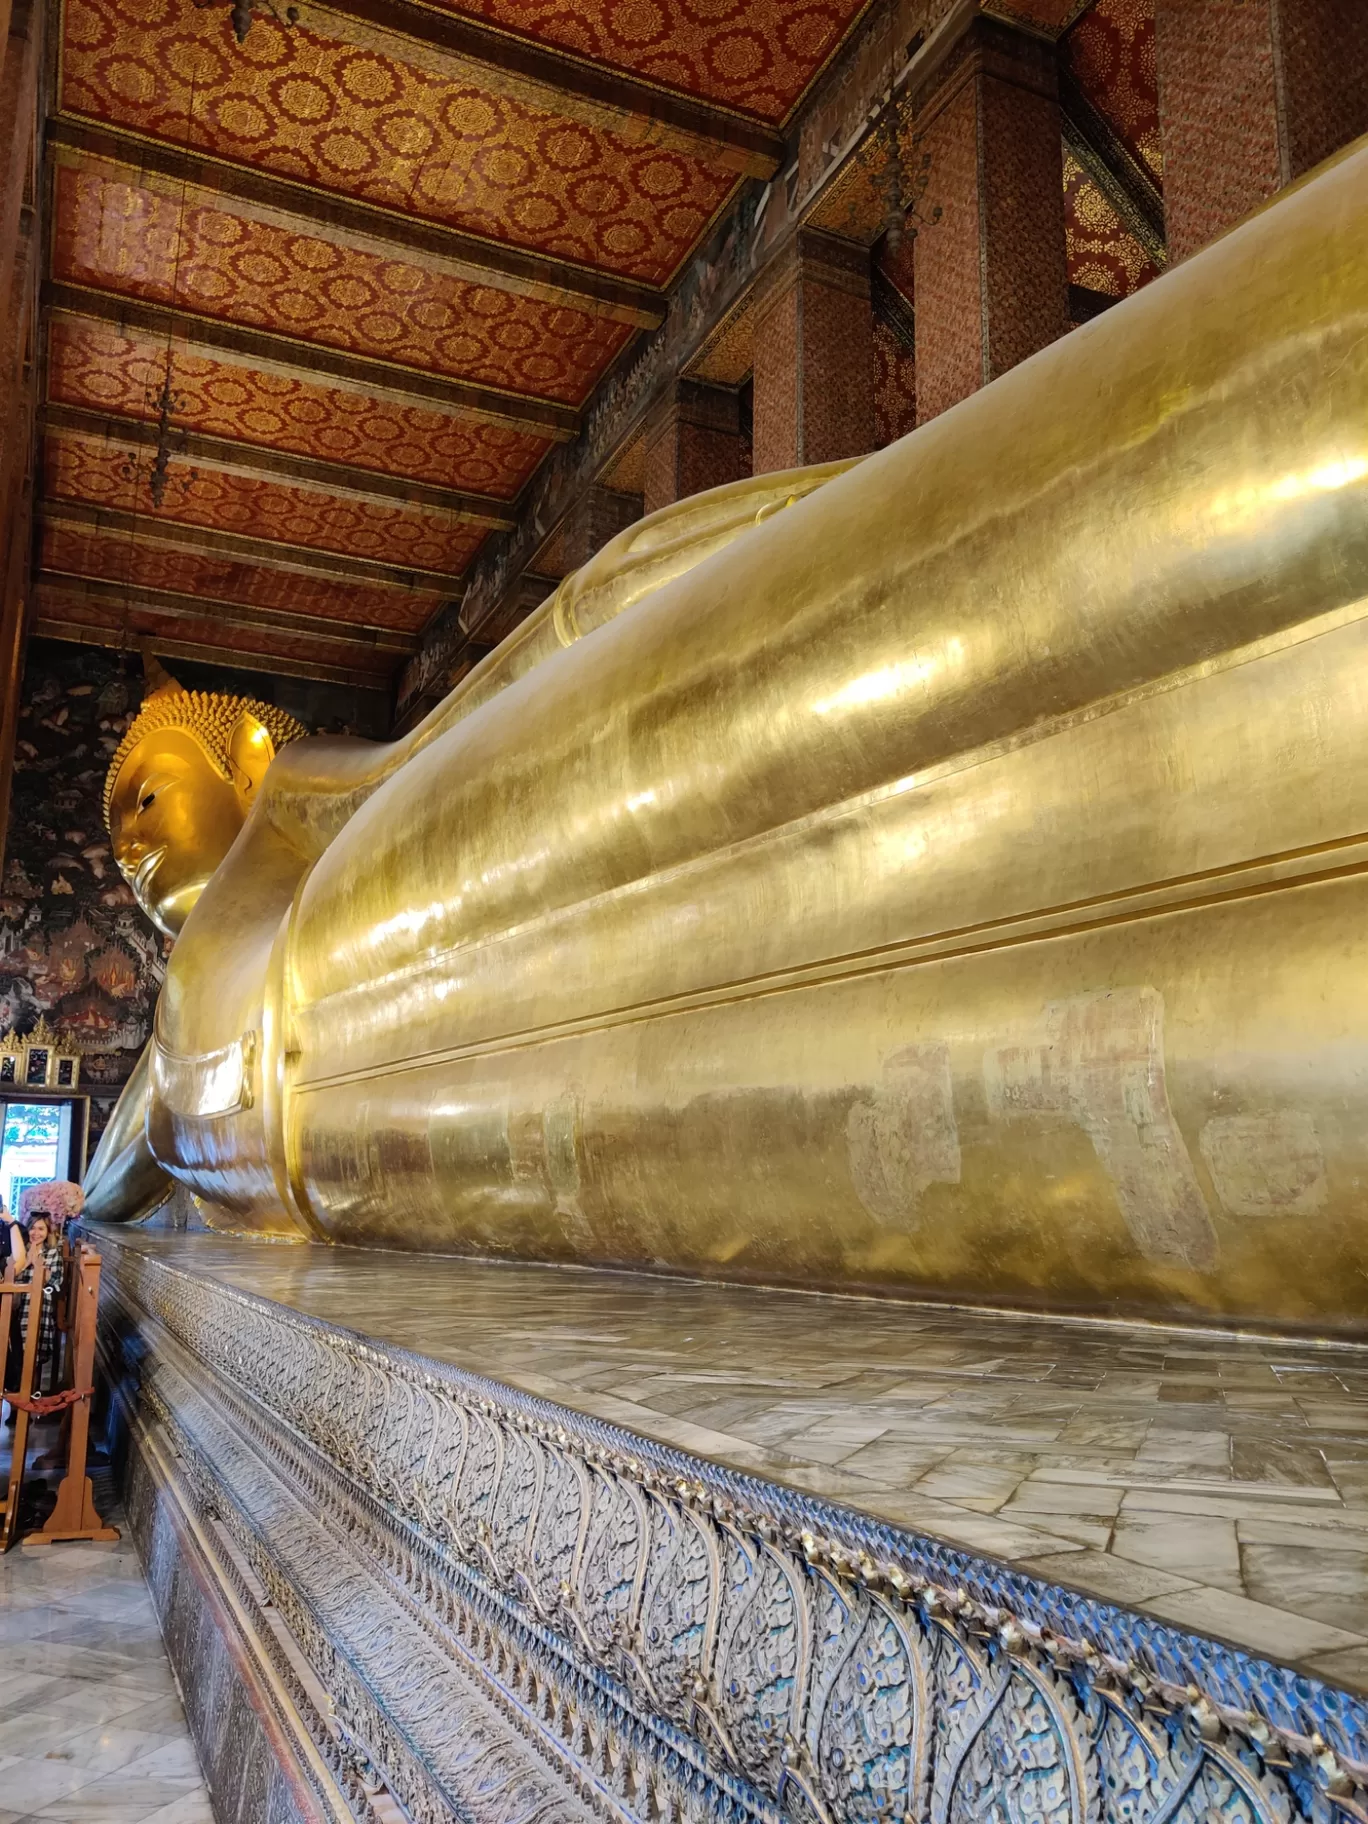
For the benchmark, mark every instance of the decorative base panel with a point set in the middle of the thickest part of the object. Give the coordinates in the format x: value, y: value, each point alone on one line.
x: 518, y: 1613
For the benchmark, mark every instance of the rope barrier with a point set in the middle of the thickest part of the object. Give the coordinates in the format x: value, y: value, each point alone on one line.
x: 42, y: 1405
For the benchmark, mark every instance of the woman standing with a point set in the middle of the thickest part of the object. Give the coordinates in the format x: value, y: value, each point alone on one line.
x: 44, y: 1244
x: 13, y: 1261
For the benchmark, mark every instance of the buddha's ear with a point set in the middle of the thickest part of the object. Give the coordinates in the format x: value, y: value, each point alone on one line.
x: 250, y: 751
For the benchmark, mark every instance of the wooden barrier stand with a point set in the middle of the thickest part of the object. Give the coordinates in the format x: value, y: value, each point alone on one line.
x: 10, y: 1295
x: 74, y: 1516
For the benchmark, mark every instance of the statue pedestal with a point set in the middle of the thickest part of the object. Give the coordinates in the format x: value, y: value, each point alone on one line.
x: 389, y: 1582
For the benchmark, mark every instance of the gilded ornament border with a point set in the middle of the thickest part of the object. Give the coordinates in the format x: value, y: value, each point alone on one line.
x: 770, y: 1654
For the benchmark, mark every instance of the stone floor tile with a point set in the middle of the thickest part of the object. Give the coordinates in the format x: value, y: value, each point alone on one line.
x: 955, y: 1479
x: 1346, y: 1666
x: 30, y: 1784
x: 106, y: 1747
x: 1103, y: 1574
x: 1330, y: 1584
x: 20, y: 1691
x: 158, y: 1716
x: 891, y: 1462
x: 990, y: 1533
x: 1105, y: 1433
x: 1276, y: 1632
x: 1235, y: 1501
x: 172, y: 1759
x: 1202, y: 1550
x: 1039, y: 1496
x: 194, y: 1808
x: 30, y: 1733
x: 114, y: 1800
x: 1266, y: 1460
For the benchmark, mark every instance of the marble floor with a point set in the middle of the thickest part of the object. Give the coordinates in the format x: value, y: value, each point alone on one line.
x: 91, y: 1727
x: 1213, y: 1480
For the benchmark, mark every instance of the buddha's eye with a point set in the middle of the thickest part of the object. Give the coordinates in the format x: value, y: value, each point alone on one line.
x: 146, y: 802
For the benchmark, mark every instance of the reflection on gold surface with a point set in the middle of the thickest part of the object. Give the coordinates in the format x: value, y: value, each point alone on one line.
x: 946, y: 876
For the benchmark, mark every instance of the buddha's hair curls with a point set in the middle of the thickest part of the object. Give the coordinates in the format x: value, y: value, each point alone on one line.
x: 209, y: 715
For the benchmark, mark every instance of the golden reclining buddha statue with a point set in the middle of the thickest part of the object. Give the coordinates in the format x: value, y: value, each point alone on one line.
x: 945, y: 874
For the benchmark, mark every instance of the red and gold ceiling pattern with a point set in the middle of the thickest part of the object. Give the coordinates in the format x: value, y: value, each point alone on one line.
x: 353, y: 120
x: 114, y: 236
x: 350, y: 110
x: 94, y: 365
x: 75, y: 609
x: 104, y: 475
x: 1110, y: 53
x: 753, y: 55
x: 114, y: 557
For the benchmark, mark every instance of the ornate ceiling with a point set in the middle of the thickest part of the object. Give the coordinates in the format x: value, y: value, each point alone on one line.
x: 321, y: 300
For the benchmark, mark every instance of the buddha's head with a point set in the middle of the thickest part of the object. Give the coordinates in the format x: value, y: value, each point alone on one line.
x: 180, y: 786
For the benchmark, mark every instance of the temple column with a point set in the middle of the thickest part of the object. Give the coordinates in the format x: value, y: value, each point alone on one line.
x: 693, y: 442
x: 599, y: 515
x: 814, y: 364
x: 992, y: 281
x: 1252, y: 94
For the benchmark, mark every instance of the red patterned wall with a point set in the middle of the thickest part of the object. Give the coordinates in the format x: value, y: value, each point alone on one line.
x: 1103, y: 254
x: 895, y: 387
x: 1110, y: 54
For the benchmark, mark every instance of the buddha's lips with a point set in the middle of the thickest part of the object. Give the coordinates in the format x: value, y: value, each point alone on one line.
x: 146, y: 868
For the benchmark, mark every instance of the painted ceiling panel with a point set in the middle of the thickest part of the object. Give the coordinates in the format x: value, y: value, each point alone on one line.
x: 77, y: 610
x: 117, y: 236
x: 102, y: 475
x: 92, y: 364
x: 141, y: 562
x: 753, y: 55
x: 351, y: 119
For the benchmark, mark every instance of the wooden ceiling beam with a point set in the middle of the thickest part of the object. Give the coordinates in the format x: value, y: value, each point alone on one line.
x: 280, y: 465
x: 369, y: 227
x: 314, y: 362
x: 232, y: 658
x: 545, y: 76
x: 238, y: 546
x: 170, y: 604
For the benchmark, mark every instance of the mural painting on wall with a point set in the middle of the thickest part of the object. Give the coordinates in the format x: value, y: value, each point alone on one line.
x: 74, y: 947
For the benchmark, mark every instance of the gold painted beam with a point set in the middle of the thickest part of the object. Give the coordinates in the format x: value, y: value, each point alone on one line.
x: 281, y: 465
x: 270, y: 553
x: 366, y: 226
x: 228, y: 656
x: 545, y: 76
x: 315, y: 362
x: 170, y: 604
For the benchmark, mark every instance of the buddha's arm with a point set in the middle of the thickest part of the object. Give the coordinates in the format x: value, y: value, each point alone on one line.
x: 316, y: 786
x: 123, y: 1181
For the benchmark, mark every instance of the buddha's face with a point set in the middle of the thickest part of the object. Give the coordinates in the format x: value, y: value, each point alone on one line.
x: 172, y: 819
